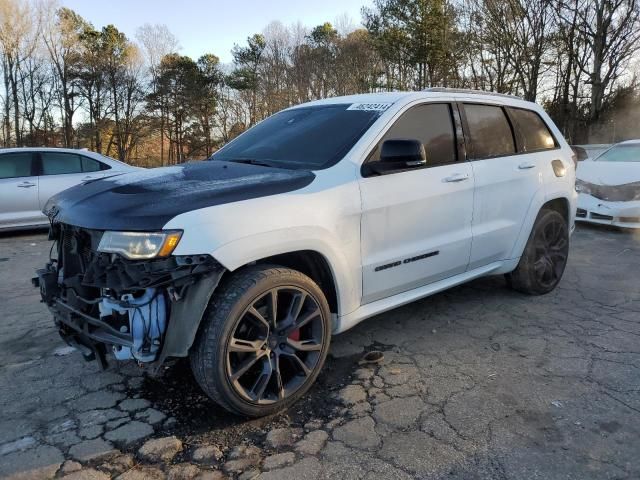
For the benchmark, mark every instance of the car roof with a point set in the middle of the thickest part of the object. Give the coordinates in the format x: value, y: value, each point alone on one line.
x: 47, y: 149
x: 629, y: 142
x: 429, y: 93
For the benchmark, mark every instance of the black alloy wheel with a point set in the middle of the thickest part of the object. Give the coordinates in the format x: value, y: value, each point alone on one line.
x: 263, y: 340
x: 276, y: 345
x: 551, y: 252
x: 545, y: 256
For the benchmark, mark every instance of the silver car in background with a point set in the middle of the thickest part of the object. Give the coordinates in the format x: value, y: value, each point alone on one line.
x: 30, y: 176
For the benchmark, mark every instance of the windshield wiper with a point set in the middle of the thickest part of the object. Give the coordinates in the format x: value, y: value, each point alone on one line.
x: 251, y: 161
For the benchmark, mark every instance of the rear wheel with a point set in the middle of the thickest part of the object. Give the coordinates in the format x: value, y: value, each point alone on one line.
x: 263, y: 342
x: 545, y: 255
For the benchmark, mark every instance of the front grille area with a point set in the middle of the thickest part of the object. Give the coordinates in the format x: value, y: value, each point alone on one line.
x: 76, y: 249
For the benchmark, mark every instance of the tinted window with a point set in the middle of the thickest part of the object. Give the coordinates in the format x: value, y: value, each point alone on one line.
x: 534, y: 133
x: 432, y: 125
x: 14, y: 165
x: 57, y: 163
x: 91, y: 165
x: 489, y: 130
x: 621, y: 153
x: 307, y: 137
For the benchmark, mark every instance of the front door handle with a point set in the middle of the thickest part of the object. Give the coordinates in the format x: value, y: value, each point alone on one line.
x: 26, y: 185
x: 456, y: 177
x: 526, y: 166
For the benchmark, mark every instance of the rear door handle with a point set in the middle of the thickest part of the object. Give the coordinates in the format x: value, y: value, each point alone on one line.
x: 456, y: 177
x: 26, y: 185
x: 526, y: 166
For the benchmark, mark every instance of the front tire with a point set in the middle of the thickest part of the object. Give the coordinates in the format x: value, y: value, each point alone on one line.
x: 263, y: 340
x: 545, y: 255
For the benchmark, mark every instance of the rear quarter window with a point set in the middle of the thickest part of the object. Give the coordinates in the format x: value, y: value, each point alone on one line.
x: 91, y: 165
x: 534, y: 133
x: 489, y: 131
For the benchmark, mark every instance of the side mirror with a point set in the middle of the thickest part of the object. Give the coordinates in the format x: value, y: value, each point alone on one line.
x: 399, y: 154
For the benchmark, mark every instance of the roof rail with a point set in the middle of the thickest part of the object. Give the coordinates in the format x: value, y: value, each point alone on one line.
x: 468, y: 90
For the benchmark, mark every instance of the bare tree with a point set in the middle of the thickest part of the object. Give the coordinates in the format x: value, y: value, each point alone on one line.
x: 19, y: 25
x: 611, y: 29
x: 61, y: 36
x: 157, y: 41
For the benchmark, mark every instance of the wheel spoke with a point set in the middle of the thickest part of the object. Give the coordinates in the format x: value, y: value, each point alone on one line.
x: 261, y: 383
x: 297, y: 361
x: 539, y: 266
x: 256, y: 315
x: 305, y: 345
x: 307, y: 318
x: 240, y: 345
x: 279, y: 382
x: 297, y: 302
x: 273, y: 307
x: 245, y: 366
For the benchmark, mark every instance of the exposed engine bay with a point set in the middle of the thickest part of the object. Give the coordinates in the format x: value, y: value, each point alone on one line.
x: 103, y: 303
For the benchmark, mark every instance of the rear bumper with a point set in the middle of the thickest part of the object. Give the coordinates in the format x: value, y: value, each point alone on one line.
x: 602, y: 212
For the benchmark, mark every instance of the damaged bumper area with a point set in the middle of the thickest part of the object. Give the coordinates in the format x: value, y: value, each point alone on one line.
x: 624, y: 214
x: 143, y: 310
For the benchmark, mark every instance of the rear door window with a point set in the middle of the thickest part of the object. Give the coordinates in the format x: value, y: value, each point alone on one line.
x: 15, y: 165
x: 534, y: 133
x: 91, y: 165
x: 489, y: 131
x: 59, y: 163
x: 429, y: 123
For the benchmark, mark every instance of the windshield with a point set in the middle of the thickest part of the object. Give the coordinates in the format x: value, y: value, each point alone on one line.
x: 621, y: 153
x: 307, y: 138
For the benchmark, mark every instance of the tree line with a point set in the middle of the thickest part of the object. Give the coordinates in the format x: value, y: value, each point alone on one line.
x: 68, y: 83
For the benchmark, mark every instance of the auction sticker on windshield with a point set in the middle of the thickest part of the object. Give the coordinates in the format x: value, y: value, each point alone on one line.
x: 370, y: 107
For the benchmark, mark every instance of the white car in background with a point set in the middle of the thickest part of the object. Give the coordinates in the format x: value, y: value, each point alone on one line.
x: 30, y: 176
x: 609, y: 187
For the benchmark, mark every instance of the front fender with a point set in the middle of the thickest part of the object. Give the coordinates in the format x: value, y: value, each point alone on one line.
x: 346, y: 276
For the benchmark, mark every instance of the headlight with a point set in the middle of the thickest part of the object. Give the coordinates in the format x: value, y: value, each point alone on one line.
x: 583, y: 187
x: 140, y: 245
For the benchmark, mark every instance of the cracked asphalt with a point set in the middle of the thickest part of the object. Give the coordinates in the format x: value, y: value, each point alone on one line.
x: 477, y: 383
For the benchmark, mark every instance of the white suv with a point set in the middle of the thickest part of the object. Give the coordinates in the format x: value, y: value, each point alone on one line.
x: 313, y: 220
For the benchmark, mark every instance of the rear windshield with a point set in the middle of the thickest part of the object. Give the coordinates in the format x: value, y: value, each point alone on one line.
x: 306, y: 138
x: 621, y: 153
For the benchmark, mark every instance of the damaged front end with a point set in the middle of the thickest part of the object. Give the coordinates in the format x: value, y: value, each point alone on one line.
x: 135, y: 309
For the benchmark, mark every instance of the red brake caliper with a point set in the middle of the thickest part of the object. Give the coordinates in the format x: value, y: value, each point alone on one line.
x: 295, y: 335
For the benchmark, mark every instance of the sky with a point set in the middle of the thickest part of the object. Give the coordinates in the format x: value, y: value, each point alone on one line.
x: 212, y: 26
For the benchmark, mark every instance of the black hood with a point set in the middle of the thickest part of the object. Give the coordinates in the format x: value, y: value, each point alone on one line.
x: 148, y: 199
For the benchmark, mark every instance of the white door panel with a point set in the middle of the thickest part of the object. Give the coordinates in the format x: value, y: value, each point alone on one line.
x: 52, y: 184
x: 416, y: 228
x: 497, y: 222
x: 62, y: 170
x: 19, y: 202
x: 18, y: 190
